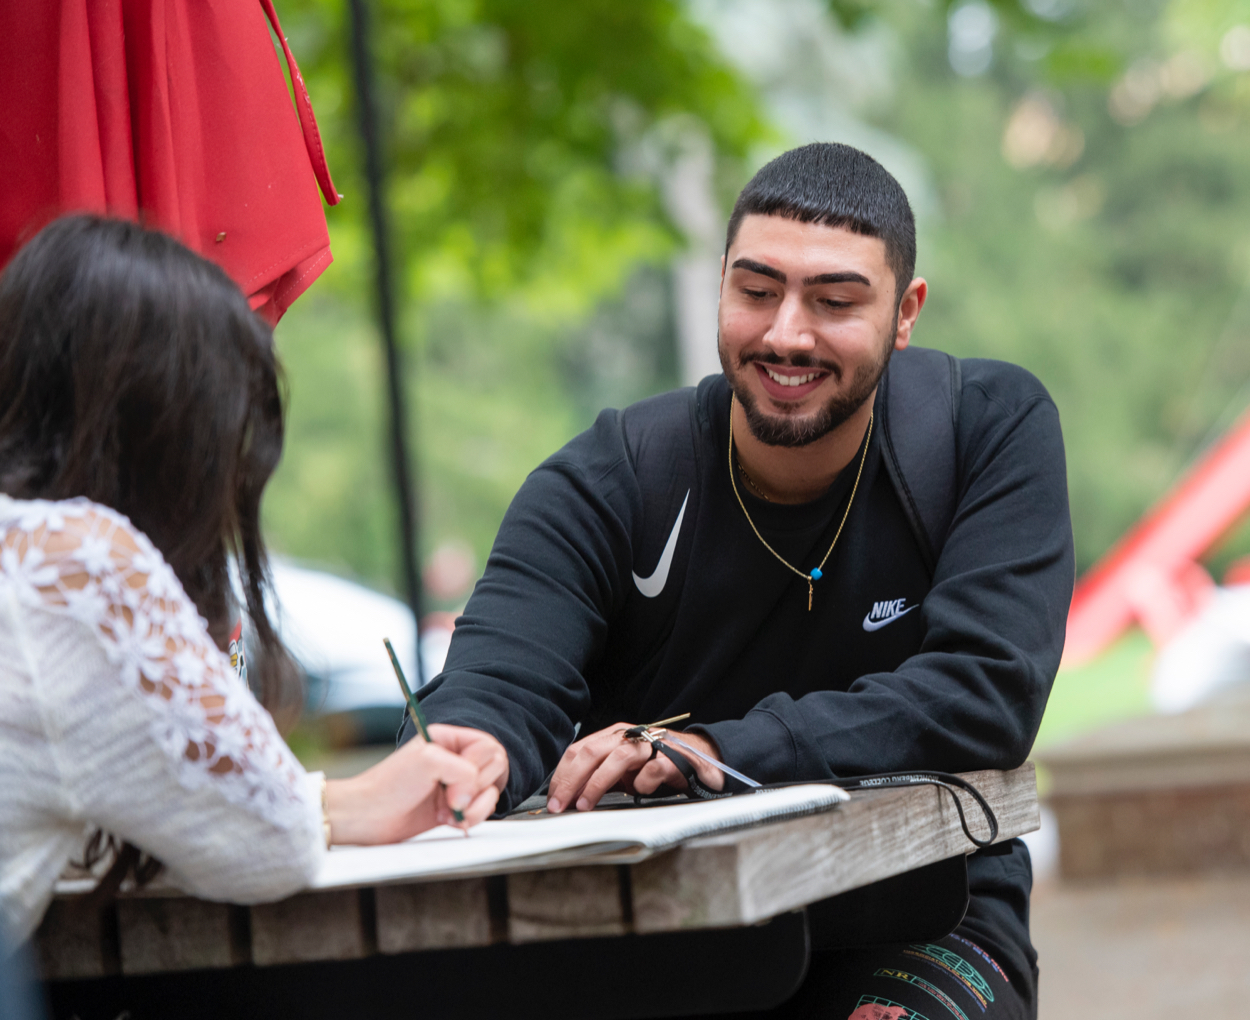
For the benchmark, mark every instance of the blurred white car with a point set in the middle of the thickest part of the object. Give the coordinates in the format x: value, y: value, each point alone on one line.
x: 334, y: 628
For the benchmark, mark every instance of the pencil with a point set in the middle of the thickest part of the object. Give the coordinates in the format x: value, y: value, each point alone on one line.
x: 414, y: 708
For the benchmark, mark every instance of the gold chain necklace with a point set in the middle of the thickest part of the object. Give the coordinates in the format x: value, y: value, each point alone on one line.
x: 817, y: 572
x: 751, y: 481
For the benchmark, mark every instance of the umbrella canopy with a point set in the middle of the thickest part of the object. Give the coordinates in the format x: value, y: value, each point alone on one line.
x: 175, y: 112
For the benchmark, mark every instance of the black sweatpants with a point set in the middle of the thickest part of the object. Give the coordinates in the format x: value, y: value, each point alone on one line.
x: 984, y: 970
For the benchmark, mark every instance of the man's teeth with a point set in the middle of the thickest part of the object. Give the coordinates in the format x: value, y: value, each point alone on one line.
x: 790, y: 380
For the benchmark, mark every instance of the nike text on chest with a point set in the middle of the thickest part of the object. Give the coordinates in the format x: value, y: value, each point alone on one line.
x: 884, y: 613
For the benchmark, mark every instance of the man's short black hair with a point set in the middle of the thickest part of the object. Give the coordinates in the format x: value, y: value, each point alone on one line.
x: 836, y: 186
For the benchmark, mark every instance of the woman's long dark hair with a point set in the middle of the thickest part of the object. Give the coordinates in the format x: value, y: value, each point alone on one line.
x: 134, y: 373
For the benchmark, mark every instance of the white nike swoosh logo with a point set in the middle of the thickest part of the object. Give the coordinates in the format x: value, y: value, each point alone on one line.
x: 871, y: 625
x: 653, y: 585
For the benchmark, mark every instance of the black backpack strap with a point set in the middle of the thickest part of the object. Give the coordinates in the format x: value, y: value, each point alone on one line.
x: 660, y: 438
x: 919, y: 432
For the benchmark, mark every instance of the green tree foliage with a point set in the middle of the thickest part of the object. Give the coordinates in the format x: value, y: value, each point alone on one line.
x: 518, y: 135
x: 1067, y: 41
x: 1093, y: 227
x: 1092, y: 190
x: 525, y: 146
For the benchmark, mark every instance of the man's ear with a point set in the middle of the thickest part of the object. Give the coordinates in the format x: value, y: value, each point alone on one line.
x: 909, y: 310
x: 722, y: 270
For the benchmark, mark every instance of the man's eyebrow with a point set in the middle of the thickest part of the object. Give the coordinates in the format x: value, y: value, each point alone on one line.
x: 816, y: 281
x: 751, y: 266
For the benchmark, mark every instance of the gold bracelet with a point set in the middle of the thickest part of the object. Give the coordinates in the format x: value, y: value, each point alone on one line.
x: 325, y: 811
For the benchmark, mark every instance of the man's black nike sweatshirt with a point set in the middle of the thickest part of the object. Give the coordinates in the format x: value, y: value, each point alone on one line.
x: 891, y: 669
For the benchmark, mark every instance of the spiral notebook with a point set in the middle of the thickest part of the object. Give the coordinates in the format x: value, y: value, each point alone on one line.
x: 595, y: 837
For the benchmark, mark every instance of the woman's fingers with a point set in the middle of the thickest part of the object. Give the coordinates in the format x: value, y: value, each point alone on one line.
x: 418, y: 786
x: 456, y: 738
x: 495, y: 770
x: 462, y: 777
x: 478, y: 747
x: 483, y: 807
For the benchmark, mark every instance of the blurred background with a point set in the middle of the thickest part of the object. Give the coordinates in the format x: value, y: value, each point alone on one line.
x: 558, y: 176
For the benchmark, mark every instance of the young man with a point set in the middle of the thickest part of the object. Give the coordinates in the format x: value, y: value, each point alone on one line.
x: 831, y: 576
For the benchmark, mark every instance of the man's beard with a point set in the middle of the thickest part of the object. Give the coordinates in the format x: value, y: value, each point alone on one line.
x: 785, y: 430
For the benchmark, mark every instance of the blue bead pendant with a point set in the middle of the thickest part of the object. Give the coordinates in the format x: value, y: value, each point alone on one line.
x: 816, y: 574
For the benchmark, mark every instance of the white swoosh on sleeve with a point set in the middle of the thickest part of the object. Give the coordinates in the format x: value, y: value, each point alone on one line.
x: 871, y: 625
x: 653, y: 585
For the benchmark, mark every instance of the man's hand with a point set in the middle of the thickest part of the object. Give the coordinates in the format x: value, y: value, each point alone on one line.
x: 606, y: 760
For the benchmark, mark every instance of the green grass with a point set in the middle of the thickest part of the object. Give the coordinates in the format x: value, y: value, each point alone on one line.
x: 1114, y: 686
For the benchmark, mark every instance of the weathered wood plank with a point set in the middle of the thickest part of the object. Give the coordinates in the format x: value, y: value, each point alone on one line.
x: 1012, y: 795
x: 567, y: 903
x: 162, y: 934
x: 742, y: 878
x: 311, y: 926
x: 736, y: 878
x: 72, y: 942
x: 697, y: 889
x: 433, y: 915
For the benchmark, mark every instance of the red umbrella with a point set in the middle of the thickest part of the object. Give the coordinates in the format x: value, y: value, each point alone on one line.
x: 173, y: 111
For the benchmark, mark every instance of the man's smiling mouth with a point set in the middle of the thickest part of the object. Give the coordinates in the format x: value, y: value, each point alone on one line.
x: 792, y: 380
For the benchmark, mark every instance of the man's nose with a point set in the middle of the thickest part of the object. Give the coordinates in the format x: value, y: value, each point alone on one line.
x: 791, y: 332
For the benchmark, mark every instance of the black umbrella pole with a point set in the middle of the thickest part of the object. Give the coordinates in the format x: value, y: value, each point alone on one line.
x: 400, y: 463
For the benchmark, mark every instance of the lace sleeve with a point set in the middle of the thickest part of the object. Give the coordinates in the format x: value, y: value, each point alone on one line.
x: 86, y: 561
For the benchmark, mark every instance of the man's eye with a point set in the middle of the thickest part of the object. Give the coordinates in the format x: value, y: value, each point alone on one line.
x: 756, y: 294
x: 834, y: 303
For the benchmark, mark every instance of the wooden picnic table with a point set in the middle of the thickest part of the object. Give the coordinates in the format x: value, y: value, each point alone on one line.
x: 726, y: 912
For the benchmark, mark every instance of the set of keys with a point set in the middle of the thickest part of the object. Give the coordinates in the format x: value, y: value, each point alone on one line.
x: 654, y: 733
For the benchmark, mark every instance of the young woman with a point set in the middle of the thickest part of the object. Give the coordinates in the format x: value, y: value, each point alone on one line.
x: 140, y: 419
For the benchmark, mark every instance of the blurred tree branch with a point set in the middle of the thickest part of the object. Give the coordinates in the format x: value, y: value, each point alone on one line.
x: 1069, y: 42
x: 520, y: 136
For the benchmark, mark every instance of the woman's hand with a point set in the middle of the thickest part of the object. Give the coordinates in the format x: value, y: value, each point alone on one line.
x: 404, y: 793
x: 477, y: 746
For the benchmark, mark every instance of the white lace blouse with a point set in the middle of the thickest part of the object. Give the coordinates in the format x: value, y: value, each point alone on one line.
x: 118, y: 711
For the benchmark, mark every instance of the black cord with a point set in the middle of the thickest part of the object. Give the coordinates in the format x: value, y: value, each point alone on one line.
x: 943, y: 780
x: 696, y: 788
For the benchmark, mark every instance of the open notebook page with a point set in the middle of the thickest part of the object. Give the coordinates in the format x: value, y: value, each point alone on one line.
x: 594, y: 837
